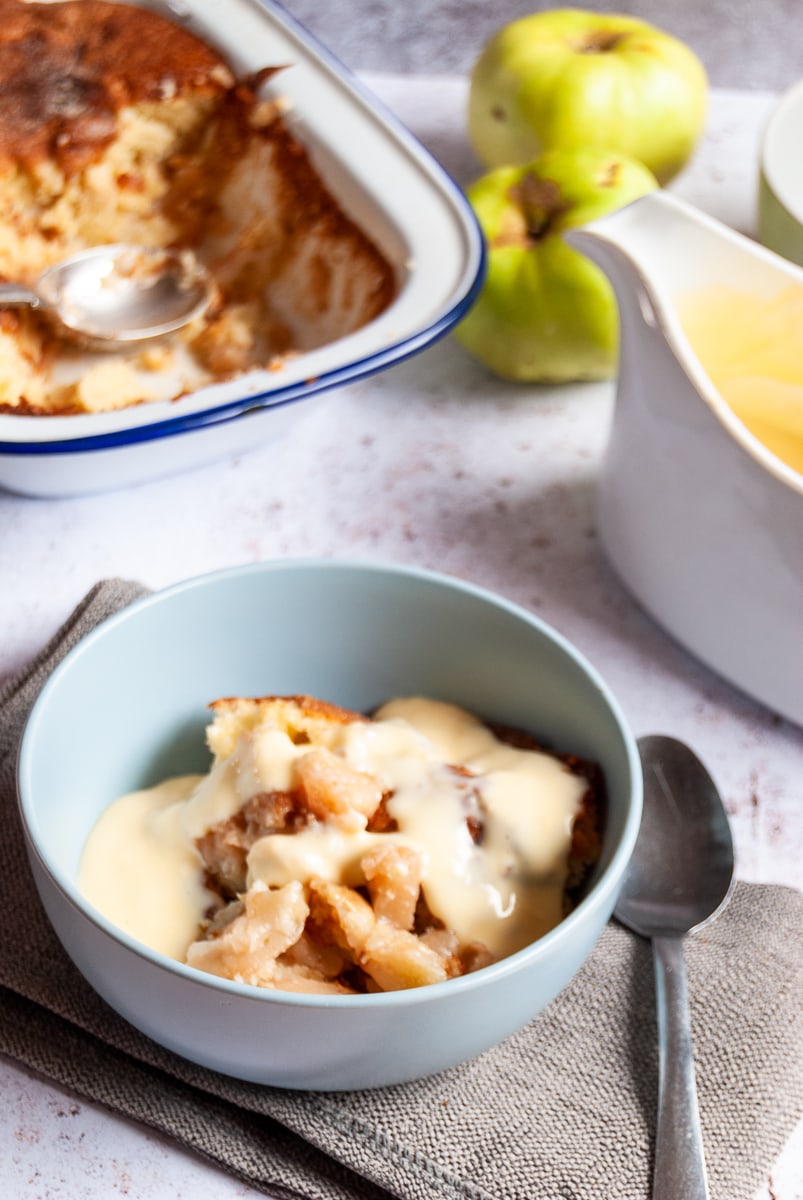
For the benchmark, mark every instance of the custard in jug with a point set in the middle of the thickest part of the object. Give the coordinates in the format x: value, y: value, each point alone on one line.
x: 751, y: 347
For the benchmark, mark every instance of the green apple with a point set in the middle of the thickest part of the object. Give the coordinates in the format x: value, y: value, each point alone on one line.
x: 545, y: 312
x: 567, y: 77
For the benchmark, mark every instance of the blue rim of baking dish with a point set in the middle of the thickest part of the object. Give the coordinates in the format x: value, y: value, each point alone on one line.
x: 360, y: 368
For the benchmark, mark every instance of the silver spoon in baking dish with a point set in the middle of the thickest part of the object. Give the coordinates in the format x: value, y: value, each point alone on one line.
x: 679, y: 878
x: 115, y: 295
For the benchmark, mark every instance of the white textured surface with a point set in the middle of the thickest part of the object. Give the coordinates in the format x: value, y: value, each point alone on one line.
x: 433, y: 463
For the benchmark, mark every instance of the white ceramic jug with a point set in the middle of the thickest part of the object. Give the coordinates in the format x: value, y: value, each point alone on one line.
x: 701, y: 522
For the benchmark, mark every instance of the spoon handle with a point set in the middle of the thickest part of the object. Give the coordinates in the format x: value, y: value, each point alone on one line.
x: 679, y: 1161
x: 15, y: 293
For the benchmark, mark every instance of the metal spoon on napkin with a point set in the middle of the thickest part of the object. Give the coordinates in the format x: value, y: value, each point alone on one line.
x: 120, y: 294
x: 679, y: 878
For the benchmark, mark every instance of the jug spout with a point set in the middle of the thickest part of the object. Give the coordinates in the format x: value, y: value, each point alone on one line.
x: 606, y: 243
x: 657, y: 251
x: 641, y: 248
x: 636, y: 247
x: 658, y: 247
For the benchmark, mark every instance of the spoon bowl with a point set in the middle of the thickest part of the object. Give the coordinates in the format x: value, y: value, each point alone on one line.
x: 681, y: 871
x: 120, y: 294
x: 679, y: 877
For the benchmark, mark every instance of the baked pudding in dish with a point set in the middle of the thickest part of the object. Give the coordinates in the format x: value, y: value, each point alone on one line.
x: 118, y: 125
x: 328, y: 852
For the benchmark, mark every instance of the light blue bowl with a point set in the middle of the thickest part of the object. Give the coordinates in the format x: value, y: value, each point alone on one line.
x: 127, y: 707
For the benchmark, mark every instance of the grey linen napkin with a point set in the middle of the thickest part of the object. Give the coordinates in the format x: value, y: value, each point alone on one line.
x: 564, y: 1109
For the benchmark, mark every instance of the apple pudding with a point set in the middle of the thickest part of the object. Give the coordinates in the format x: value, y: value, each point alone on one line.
x: 118, y: 125
x: 326, y: 851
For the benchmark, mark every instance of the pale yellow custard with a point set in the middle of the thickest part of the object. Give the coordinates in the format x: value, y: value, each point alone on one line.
x: 751, y: 347
x: 344, y: 853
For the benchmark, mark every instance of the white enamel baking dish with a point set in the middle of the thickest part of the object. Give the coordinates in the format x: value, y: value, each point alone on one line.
x: 383, y: 177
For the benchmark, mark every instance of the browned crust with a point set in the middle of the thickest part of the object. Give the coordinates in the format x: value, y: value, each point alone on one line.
x: 67, y: 69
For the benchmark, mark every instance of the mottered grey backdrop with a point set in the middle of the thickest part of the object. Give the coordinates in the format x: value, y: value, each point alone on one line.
x: 742, y: 43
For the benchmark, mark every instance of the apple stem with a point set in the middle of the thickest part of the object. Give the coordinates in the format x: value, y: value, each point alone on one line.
x: 596, y: 43
x: 541, y: 201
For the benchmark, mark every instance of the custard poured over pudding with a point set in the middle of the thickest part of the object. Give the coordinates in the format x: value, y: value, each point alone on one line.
x: 326, y: 852
x: 116, y: 125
